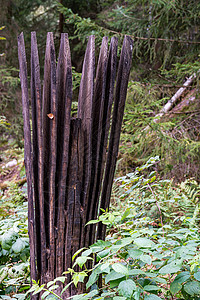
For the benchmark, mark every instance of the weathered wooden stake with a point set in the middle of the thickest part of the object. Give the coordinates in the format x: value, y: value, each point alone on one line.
x: 66, y: 158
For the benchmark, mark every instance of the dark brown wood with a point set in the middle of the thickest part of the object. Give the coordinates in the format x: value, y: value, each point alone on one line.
x: 46, y: 110
x: 67, y: 163
x: 73, y: 205
x: 52, y: 162
x: 36, y: 104
x: 105, y: 125
x: 85, y: 101
x: 64, y: 96
x: 27, y: 154
x: 117, y: 117
x: 97, y: 118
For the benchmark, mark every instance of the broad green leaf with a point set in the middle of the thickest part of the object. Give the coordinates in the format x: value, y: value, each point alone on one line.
x: 119, y: 298
x: 113, y: 276
x: 81, y: 260
x: 86, y: 252
x: 104, y: 266
x: 61, y: 278
x: 143, y: 243
x: 75, y: 279
x: 125, y: 241
x: 115, y: 283
x: 119, y: 268
x: 8, y: 239
x: 53, y: 287
x: 103, y: 253
x: 152, y: 297
x: 82, y: 276
x: 160, y: 280
x: 182, y: 277
x: 50, y: 283
x: 149, y: 288
x: 135, y: 253
x: 45, y: 294
x: 172, y: 267
x: 136, y: 272
x: 146, y: 259
x: 197, y: 276
x: 175, y: 287
x: 126, y: 288
x: 100, y: 245
x: 92, y: 279
x: 192, y: 288
x: 92, y: 222
x: 18, y: 246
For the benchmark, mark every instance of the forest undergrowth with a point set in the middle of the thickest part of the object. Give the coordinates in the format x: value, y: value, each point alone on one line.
x: 151, y: 249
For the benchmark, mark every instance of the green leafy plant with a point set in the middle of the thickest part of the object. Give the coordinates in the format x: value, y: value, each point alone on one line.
x: 14, y: 253
x: 151, y: 250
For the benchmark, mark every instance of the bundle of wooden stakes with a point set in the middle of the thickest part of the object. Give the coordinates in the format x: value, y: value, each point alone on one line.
x: 69, y: 166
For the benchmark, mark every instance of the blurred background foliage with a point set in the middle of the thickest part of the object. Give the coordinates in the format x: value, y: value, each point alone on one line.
x: 166, y: 52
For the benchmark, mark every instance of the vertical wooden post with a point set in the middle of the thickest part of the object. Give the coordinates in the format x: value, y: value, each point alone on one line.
x: 27, y: 154
x: 64, y: 96
x: 36, y: 104
x: 85, y: 103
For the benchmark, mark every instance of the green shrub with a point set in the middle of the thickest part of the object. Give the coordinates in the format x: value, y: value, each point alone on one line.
x: 151, y: 250
x: 14, y: 254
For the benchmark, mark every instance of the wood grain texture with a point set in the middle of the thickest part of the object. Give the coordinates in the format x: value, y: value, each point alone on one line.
x: 117, y: 117
x: 27, y: 154
x: 46, y: 109
x: 64, y: 98
x: 105, y: 125
x: 38, y: 168
x: 73, y: 205
x: 52, y: 162
x: 96, y: 130
x: 85, y: 102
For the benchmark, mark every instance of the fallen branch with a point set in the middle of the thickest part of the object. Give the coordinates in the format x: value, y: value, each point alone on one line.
x: 174, y: 99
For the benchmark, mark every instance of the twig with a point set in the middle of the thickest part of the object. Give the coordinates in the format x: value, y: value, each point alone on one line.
x: 150, y: 38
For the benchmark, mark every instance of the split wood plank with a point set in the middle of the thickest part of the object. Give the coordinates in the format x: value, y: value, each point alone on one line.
x: 64, y: 98
x: 117, y: 117
x: 36, y: 104
x: 105, y: 125
x: 96, y: 129
x: 52, y: 160
x: 85, y: 102
x: 27, y: 153
x: 46, y: 110
x: 74, y: 187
